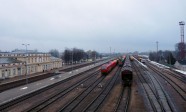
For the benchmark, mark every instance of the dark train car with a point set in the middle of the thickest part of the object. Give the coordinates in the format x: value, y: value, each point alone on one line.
x: 106, y: 68
x: 127, y: 75
x: 126, y: 72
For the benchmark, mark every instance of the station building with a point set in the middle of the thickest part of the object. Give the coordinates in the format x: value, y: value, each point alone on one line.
x: 24, y: 63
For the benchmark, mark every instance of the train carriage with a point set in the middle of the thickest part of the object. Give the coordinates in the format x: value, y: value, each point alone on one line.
x: 127, y: 76
x: 126, y: 72
x: 121, y: 61
x: 131, y: 58
x: 106, y: 68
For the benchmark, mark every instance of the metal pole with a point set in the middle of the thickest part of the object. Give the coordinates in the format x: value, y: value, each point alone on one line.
x: 157, y: 49
x: 95, y: 58
x: 169, y: 59
x: 182, y: 53
x: 26, y: 62
x: 157, y: 45
x: 72, y: 60
x: 114, y: 52
x: 110, y: 51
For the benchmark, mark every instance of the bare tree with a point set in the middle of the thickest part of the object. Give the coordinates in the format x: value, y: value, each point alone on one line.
x: 54, y: 52
x: 67, y: 55
x: 78, y: 55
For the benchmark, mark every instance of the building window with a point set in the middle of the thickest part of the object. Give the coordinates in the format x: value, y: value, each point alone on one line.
x: 3, y: 73
x: 23, y: 71
x: 32, y: 69
x: 9, y: 72
x: 35, y: 68
x: 14, y: 71
x: 28, y: 60
x: 28, y: 70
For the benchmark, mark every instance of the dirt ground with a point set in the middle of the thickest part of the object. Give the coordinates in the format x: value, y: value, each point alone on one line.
x: 136, y: 102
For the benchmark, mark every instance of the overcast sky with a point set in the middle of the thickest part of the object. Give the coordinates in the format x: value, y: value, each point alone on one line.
x: 123, y: 25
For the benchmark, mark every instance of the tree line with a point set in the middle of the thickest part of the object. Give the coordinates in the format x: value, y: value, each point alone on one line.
x: 163, y: 57
x: 75, y: 55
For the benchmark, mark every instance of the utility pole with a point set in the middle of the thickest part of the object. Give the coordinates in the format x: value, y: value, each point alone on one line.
x: 110, y: 51
x: 26, y: 61
x: 182, y: 44
x: 157, y: 49
x: 72, y: 59
x: 157, y: 45
x: 95, y: 58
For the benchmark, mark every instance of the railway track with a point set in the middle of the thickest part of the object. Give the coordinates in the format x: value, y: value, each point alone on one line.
x: 172, y: 73
x: 178, y: 73
x: 88, y: 90
x: 116, y: 99
x: 179, y: 88
x: 91, y: 98
x: 124, y: 99
x: 65, y: 86
x: 13, y: 84
x: 155, y: 94
x: 49, y: 101
x: 96, y: 103
x: 76, y: 97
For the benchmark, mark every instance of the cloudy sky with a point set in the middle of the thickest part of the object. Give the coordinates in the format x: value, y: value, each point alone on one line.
x: 123, y: 25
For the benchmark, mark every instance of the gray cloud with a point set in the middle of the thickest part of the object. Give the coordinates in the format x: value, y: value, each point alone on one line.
x: 125, y: 25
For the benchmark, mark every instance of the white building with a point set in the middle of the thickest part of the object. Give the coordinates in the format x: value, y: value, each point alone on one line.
x: 17, y: 63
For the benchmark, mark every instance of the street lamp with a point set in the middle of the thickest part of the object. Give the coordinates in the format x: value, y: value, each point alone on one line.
x: 72, y: 60
x: 157, y: 50
x: 26, y: 61
x: 94, y: 57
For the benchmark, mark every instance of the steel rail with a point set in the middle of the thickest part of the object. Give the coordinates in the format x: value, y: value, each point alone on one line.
x: 58, y: 95
x: 147, y: 88
x: 13, y: 102
x: 176, y: 87
x: 102, y: 96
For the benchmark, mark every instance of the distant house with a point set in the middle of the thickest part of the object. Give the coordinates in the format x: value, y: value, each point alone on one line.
x: 180, y: 65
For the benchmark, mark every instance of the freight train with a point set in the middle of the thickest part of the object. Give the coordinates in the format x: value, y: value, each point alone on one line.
x: 126, y: 72
x: 121, y: 61
x: 106, y: 68
x: 131, y: 58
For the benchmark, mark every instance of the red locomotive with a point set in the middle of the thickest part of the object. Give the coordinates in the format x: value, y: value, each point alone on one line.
x: 106, y: 68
